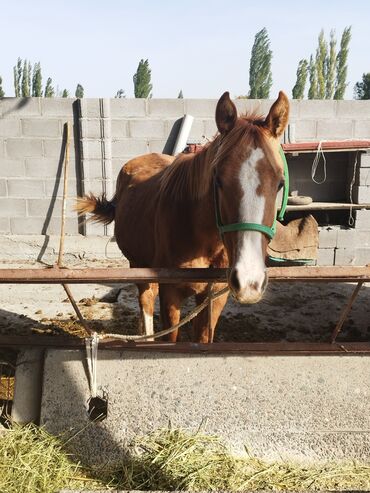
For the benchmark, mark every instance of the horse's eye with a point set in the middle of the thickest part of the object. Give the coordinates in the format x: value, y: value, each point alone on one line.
x: 281, y: 184
x: 218, y: 182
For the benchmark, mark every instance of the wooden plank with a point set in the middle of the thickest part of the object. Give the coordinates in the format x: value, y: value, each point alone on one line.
x: 334, y: 145
x: 253, y: 348
x: 173, y: 276
x: 318, y: 206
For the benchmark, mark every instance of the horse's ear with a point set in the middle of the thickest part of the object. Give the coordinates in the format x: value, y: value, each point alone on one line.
x: 278, y: 117
x: 226, y: 113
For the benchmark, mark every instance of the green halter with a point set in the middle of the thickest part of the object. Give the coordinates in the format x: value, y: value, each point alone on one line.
x: 261, y: 228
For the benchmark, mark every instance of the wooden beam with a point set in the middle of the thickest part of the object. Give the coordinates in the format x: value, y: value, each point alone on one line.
x: 173, y: 276
x: 334, y: 145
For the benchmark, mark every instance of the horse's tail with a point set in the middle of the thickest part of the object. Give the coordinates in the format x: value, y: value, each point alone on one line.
x: 102, y: 210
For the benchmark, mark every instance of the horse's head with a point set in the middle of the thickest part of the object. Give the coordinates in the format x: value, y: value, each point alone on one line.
x: 248, y: 174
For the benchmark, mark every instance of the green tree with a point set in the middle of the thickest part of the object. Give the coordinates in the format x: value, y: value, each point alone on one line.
x: 120, y: 94
x: 37, y: 81
x: 312, y: 91
x: 2, y: 93
x: 321, y: 55
x: 180, y: 96
x: 362, y: 89
x: 79, y: 93
x: 26, y: 83
x: 300, y: 85
x: 341, y: 74
x: 49, y: 89
x: 260, y: 77
x: 142, y: 80
x: 65, y: 93
x: 330, y: 66
x: 17, y: 74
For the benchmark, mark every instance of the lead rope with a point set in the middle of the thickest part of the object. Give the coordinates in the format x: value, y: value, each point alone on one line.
x: 316, y: 162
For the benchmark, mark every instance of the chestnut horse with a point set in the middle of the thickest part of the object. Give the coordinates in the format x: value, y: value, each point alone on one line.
x: 169, y: 212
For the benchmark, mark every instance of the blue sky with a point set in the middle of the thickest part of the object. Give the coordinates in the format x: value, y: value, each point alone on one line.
x: 201, y: 47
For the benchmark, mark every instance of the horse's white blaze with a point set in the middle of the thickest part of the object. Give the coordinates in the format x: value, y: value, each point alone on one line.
x: 250, y: 263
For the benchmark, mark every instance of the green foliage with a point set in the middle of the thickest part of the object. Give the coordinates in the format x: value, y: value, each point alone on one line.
x: 300, y: 85
x: 65, y: 93
x: 260, y: 77
x: 49, y: 89
x: 17, y: 74
x: 142, y: 79
x: 37, y: 81
x: 79, y: 91
x: 26, y: 79
x: 362, y: 89
x: 312, y: 91
x: 321, y: 55
x: 2, y: 93
x: 341, y: 76
x: 180, y: 96
x: 120, y: 94
x: 330, y: 66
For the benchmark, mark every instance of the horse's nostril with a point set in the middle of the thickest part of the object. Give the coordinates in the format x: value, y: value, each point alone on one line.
x: 264, y: 284
x: 234, y: 281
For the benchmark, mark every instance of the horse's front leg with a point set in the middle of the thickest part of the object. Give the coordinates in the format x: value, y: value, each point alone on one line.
x: 147, y: 296
x: 170, y: 302
x: 201, y: 324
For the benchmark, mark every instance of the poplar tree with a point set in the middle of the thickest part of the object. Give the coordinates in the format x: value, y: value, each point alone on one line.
x: 330, y: 66
x: 300, y: 85
x: 2, y: 93
x: 49, y: 89
x: 180, y: 96
x: 120, y: 94
x: 65, y: 93
x: 17, y: 75
x: 321, y: 56
x: 26, y: 80
x: 260, y: 77
x: 362, y: 89
x: 37, y: 81
x: 312, y: 91
x: 341, y: 66
x: 142, y: 80
x: 79, y: 91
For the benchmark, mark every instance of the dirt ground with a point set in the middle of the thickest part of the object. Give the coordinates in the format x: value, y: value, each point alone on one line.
x: 289, y: 311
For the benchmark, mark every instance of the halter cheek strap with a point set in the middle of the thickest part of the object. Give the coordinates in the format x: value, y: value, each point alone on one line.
x: 269, y: 231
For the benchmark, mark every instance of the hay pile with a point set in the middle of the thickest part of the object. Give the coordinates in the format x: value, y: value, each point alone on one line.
x: 33, y: 461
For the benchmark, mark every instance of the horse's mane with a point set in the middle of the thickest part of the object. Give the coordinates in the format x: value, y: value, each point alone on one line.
x: 189, y: 176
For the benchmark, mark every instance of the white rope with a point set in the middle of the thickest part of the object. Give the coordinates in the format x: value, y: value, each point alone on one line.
x: 316, y: 162
x: 92, y: 361
x: 351, y: 220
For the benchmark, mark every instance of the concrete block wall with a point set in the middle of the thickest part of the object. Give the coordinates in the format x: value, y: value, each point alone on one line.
x: 109, y: 132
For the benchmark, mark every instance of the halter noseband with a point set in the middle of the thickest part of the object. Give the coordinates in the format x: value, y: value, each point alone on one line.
x: 261, y: 228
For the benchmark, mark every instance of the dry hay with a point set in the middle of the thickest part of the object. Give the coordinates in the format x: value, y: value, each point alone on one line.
x: 34, y: 461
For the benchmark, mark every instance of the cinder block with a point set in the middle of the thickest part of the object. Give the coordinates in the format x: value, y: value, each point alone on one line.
x: 54, y: 188
x: 117, y: 165
x: 127, y: 108
x: 42, y: 207
x: 25, y: 188
x: 12, y: 207
x: 317, y: 108
x: 200, y: 107
x: 362, y: 256
x: 93, y: 229
x: 364, y: 176
x: 362, y: 219
x: 20, y: 106
x: 325, y: 256
x: 46, y: 167
x: 2, y: 148
x: 41, y: 127
x: 305, y: 129
x: 334, y: 129
x: 166, y: 107
x: 157, y: 145
x: 10, y: 127
x: 328, y: 237
x: 22, y: 147
x: 4, y: 225
x: 361, y: 129
x: 353, y: 109
x: 347, y: 238
x: 92, y: 149
x: 40, y: 225
x: 361, y: 195
x: 93, y: 169
x: 3, y: 189
x: 53, y: 148
x: 91, y: 128
x: 365, y: 160
x: 147, y: 129
x: 12, y: 167
x: 345, y: 256
x: 57, y: 107
x: 129, y: 147
x: 90, y: 108
x: 119, y: 128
